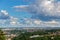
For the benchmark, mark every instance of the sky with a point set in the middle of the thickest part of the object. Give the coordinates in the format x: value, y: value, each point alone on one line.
x: 29, y: 13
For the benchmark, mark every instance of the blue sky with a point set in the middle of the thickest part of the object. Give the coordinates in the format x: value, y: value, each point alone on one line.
x: 29, y: 13
x: 8, y: 4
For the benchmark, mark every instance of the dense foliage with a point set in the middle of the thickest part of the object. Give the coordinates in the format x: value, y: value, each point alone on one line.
x: 2, y: 37
x: 46, y: 35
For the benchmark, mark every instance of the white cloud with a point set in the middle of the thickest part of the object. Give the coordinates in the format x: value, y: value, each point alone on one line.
x: 13, y: 23
x: 42, y: 9
x: 37, y: 22
x: 31, y: 23
x: 49, y: 8
x: 6, y: 20
x: 52, y: 22
x: 13, y: 19
x: 40, y: 23
x: 4, y: 12
x: 21, y: 6
x: 2, y: 22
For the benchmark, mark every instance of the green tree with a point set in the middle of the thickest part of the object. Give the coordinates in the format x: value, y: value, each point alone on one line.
x: 21, y: 36
x: 2, y: 37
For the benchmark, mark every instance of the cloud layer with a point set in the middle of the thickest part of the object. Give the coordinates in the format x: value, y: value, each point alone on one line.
x: 45, y: 13
x: 43, y: 9
x: 6, y: 20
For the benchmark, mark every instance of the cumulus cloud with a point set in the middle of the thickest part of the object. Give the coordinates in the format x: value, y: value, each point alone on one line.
x: 4, y: 14
x: 43, y: 9
x: 13, y: 21
x: 45, y: 13
x: 39, y: 23
x: 50, y: 7
x: 6, y: 19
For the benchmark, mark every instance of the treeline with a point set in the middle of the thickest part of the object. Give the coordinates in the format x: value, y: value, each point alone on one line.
x: 26, y: 35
